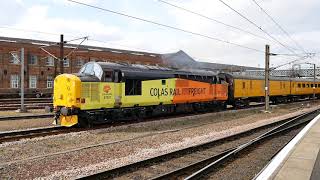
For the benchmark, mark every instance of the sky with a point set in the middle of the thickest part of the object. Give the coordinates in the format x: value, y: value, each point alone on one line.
x: 46, y: 19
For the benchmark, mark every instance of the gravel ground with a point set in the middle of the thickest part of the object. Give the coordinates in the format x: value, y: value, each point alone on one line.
x: 89, y: 160
x: 250, y: 163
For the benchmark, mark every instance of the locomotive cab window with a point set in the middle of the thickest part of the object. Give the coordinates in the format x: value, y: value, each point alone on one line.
x: 92, y: 69
x: 108, y: 76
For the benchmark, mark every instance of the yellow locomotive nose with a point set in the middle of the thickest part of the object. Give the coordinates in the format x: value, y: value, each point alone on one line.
x: 66, y: 98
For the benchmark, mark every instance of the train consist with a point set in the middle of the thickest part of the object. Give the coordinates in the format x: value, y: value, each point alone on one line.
x: 105, y: 92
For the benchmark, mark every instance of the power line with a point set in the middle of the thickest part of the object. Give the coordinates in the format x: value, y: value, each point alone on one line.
x: 130, y: 47
x: 293, y: 61
x: 28, y: 30
x: 250, y: 21
x: 167, y: 26
x: 279, y: 26
x: 212, y: 19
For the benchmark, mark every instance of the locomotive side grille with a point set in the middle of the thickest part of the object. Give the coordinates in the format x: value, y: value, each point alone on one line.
x: 85, y: 90
x: 95, y: 92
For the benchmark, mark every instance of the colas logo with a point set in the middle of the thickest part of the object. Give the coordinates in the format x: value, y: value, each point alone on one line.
x: 106, y: 88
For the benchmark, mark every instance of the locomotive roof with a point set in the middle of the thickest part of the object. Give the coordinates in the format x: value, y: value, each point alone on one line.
x: 131, y: 69
x: 271, y: 78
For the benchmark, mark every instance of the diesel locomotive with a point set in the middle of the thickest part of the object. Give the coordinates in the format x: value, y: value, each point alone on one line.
x: 104, y: 92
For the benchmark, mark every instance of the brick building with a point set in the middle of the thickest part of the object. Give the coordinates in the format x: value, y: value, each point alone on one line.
x: 40, y: 67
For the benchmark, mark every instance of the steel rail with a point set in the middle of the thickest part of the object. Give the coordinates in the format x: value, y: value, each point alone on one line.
x: 275, y: 131
x: 6, y: 118
x: 31, y: 133
x: 180, y: 153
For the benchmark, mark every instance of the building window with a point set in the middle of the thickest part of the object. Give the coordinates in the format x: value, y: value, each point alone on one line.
x: 49, y: 82
x: 50, y: 61
x: 14, y: 58
x: 32, y: 81
x: 14, y: 81
x: 65, y: 62
x: 33, y: 60
x: 79, y: 62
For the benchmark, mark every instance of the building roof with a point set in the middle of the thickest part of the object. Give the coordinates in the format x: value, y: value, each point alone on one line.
x: 182, y: 60
x: 72, y: 46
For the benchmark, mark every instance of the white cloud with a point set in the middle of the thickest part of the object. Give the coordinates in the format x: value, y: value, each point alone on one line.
x: 298, y: 17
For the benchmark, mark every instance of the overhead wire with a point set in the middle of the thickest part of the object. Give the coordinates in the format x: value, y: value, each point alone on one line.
x: 253, y: 23
x: 117, y: 44
x: 212, y: 19
x: 166, y: 26
x: 28, y: 30
x: 290, y: 62
x: 279, y: 26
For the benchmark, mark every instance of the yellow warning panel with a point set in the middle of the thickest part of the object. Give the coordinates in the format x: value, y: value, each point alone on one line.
x: 68, y: 120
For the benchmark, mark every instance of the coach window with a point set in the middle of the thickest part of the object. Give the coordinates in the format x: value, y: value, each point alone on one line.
x: 250, y: 84
x: 315, y: 85
x: 303, y: 85
x: 243, y: 85
x: 312, y: 85
x: 308, y: 85
x: 299, y: 85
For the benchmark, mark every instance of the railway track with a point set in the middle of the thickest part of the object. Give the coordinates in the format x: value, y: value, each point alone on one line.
x: 6, y: 118
x: 30, y: 103
x: 35, y: 132
x: 197, y: 161
x: 41, y: 132
x: 17, y: 100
